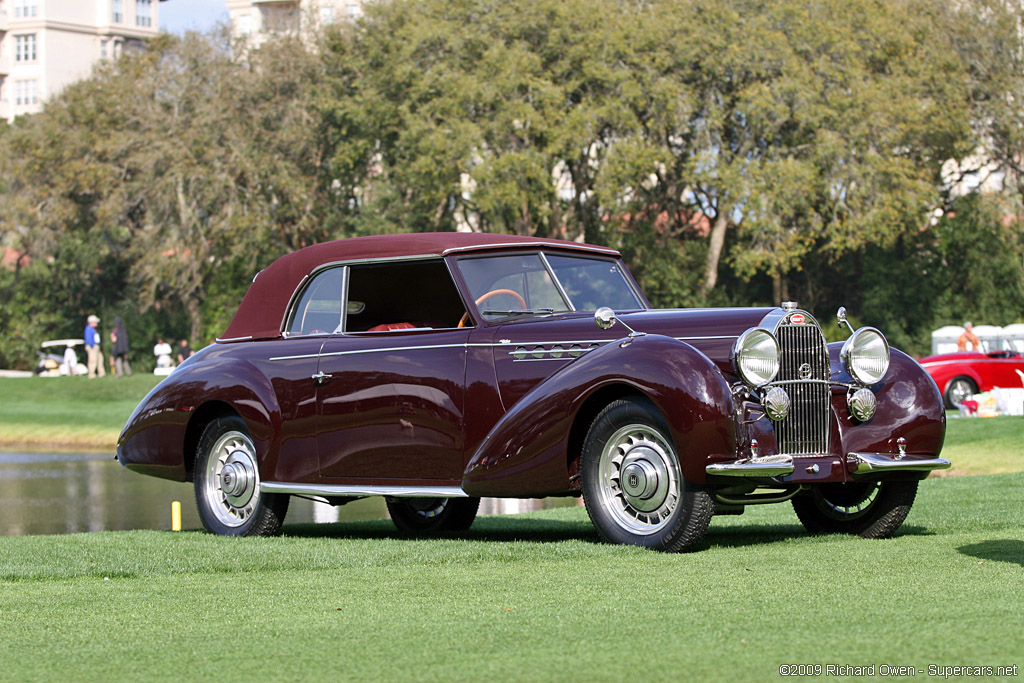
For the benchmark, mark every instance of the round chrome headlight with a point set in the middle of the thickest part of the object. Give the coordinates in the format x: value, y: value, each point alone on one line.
x: 756, y: 356
x: 866, y: 355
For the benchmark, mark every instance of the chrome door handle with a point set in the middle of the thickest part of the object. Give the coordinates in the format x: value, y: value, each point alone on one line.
x: 321, y: 378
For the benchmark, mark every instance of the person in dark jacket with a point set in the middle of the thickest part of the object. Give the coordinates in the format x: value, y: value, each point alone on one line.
x: 184, y: 351
x: 119, y: 336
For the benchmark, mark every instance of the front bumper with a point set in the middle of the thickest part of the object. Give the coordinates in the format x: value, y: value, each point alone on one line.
x: 870, y: 463
x: 857, y: 463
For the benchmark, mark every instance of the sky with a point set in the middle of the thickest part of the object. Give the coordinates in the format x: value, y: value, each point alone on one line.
x: 177, y: 16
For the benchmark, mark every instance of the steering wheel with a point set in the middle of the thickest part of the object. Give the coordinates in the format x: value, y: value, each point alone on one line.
x: 488, y: 295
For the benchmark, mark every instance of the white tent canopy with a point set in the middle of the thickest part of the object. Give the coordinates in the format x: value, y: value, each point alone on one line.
x: 944, y: 339
x: 1014, y: 336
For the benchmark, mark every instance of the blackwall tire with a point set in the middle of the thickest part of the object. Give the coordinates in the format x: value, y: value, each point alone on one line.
x: 227, y: 483
x: 866, y: 509
x: 421, y: 516
x: 633, y: 487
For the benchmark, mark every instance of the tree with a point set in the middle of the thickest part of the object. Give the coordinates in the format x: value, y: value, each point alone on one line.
x: 796, y: 129
x: 171, y: 176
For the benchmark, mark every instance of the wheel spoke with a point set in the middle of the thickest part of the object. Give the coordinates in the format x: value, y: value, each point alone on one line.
x: 646, y: 502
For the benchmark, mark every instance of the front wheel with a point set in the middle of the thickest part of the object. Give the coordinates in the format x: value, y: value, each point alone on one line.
x: 227, y: 484
x: 432, y: 515
x: 868, y: 509
x: 632, y: 484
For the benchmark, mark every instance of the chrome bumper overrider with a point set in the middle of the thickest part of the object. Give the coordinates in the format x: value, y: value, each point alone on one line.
x: 768, y: 466
x: 864, y: 463
x: 885, y: 462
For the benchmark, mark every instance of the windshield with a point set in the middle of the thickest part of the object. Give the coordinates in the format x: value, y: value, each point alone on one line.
x: 592, y: 283
x: 506, y: 287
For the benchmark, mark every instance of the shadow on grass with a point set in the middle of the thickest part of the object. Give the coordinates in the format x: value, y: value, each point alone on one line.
x: 1001, y: 550
x: 501, y: 529
x: 533, y: 530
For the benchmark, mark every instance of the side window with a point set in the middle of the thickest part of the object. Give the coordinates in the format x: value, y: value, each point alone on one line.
x: 394, y: 296
x: 319, y: 308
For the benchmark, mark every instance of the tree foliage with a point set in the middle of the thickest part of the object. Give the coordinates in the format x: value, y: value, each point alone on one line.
x: 163, y: 183
x: 735, y: 151
x: 790, y: 128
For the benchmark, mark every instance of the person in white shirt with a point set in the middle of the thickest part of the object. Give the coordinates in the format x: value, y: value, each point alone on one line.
x: 70, y: 362
x: 162, y: 351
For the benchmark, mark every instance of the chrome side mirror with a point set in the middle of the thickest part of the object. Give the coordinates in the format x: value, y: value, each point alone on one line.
x: 841, y: 319
x: 604, y: 317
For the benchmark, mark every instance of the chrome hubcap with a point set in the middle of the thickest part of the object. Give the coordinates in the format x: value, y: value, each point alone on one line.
x: 959, y: 392
x: 640, y: 479
x: 232, y: 480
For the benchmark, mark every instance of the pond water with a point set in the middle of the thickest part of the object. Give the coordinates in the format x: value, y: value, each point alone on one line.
x: 60, y: 493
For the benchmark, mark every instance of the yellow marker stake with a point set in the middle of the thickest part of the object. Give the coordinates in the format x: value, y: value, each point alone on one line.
x: 176, y: 516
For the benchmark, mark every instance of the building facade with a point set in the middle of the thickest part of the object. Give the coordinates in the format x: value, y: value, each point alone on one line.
x: 254, y: 20
x: 47, y: 44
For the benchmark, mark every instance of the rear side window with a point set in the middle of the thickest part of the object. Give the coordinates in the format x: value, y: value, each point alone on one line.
x: 319, y: 308
x: 384, y: 297
x: 379, y: 297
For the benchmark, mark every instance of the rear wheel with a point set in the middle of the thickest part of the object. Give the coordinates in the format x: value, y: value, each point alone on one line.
x: 432, y: 515
x: 868, y: 509
x: 227, y: 483
x: 632, y: 484
x: 958, y: 390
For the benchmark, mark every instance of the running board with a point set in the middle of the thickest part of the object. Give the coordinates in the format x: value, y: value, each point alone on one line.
x: 331, y: 490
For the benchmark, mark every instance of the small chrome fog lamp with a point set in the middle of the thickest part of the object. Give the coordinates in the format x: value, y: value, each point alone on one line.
x: 756, y: 356
x: 866, y: 356
x: 776, y: 403
x: 862, y: 404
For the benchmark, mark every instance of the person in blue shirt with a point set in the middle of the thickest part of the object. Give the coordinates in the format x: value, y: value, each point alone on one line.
x: 92, y: 348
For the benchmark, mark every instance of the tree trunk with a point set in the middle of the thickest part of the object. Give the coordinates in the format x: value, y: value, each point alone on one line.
x: 780, y: 287
x: 192, y: 305
x: 715, y: 249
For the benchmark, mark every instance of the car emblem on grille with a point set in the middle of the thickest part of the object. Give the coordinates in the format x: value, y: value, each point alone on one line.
x: 797, y: 318
x: 804, y: 371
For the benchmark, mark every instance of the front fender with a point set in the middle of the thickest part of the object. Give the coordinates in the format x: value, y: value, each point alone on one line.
x: 526, y: 453
x: 154, y: 439
x: 909, y: 405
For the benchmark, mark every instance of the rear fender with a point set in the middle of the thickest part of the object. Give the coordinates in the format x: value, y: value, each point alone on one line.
x: 162, y: 433
x: 526, y: 451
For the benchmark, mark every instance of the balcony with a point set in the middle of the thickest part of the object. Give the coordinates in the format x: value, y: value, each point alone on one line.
x: 5, y: 66
x: 3, y: 20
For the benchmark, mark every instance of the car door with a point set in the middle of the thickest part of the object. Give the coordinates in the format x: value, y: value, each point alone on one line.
x: 392, y: 380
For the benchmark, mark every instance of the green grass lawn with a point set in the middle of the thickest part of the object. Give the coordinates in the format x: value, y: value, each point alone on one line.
x: 990, y: 445
x: 526, y: 597
x: 68, y: 413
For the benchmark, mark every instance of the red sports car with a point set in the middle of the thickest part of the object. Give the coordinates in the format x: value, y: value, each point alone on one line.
x: 433, y: 369
x: 961, y: 375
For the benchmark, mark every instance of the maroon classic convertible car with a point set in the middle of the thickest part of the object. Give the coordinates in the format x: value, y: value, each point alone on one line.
x: 434, y: 369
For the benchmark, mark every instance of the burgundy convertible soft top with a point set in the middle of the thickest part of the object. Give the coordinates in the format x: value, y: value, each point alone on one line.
x: 263, y: 308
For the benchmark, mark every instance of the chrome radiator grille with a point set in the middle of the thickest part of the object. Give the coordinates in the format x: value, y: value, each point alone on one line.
x: 804, y: 356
